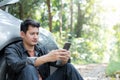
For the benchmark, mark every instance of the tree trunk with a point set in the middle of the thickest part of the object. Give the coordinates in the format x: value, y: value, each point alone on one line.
x: 79, y: 22
x: 71, y: 14
x: 21, y: 14
x: 60, y: 16
x: 50, y: 15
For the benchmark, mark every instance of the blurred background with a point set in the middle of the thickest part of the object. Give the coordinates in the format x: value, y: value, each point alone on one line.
x: 92, y: 26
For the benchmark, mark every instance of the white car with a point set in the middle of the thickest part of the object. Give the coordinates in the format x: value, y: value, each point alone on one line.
x: 9, y: 33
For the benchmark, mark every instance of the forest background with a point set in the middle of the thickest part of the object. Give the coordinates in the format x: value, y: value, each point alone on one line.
x: 92, y: 26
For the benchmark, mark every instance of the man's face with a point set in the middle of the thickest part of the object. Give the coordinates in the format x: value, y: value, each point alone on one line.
x: 31, y: 36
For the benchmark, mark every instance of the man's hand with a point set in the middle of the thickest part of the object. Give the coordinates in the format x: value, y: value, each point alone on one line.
x: 54, y: 55
x: 60, y: 54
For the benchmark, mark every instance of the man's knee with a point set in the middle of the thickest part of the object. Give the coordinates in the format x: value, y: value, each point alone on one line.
x: 73, y: 73
x: 29, y: 68
x: 70, y: 66
x: 29, y: 72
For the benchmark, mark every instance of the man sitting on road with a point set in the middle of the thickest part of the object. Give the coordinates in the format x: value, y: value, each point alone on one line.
x: 27, y: 61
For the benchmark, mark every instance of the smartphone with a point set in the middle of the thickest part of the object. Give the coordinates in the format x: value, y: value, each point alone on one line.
x: 67, y: 45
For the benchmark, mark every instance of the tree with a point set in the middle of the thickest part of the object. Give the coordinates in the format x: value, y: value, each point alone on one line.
x: 60, y: 17
x: 25, y: 8
x: 79, y: 25
x: 71, y: 15
x: 50, y: 15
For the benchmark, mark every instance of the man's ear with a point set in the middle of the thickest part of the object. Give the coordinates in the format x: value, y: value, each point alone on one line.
x: 22, y: 34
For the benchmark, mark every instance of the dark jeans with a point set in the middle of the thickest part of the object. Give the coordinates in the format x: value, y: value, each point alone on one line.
x: 67, y: 72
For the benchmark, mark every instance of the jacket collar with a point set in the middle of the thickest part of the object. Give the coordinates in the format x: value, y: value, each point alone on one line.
x: 25, y: 51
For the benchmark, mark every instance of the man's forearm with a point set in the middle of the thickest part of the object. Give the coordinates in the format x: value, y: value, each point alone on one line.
x: 41, y: 60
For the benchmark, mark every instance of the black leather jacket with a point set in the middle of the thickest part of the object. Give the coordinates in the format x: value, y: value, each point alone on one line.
x: 17, y: 58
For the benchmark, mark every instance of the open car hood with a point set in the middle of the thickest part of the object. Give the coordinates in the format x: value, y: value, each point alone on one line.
x: 6, y: 2
x: 9, y: 32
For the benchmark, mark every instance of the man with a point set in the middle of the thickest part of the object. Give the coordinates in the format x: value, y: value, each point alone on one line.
x: 27, y: 61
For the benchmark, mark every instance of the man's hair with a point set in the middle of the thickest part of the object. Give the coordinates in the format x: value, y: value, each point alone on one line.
x: 28, y: 22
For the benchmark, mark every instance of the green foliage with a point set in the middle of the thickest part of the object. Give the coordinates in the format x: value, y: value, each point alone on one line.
x: 112, y: 68
x: 87, y: 50
x: 83, y: 50
x: 96, y: 39
x: 114, y: 64
x: 25, y: 8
